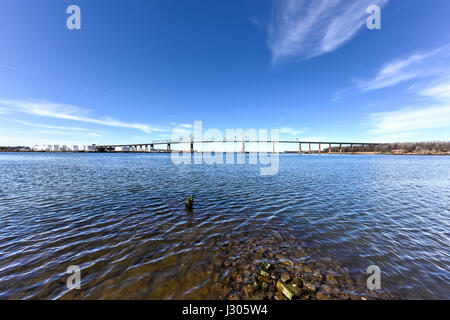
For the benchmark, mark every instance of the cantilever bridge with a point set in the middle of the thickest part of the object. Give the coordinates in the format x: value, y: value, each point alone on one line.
x: 168, y: 144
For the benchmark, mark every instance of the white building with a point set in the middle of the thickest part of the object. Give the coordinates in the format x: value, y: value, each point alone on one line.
x: 122, y: 149
x: 66, y: 148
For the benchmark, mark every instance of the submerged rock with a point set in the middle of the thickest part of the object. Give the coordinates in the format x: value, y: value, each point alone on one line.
x: 285, y: 290
x: 265, y: 274
x: 239, y: 269
x: 285, y: 277
x: 254, y: 282
x: 266, y: 266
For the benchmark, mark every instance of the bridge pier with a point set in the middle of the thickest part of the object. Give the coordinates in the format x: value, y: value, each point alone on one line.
x: 300, y: 148
x: 351, y: 147
x: 243, y: 147
x: 320, y: 147
x: 168, y: 148
x: 329, y: 148
x: 340, y: 148
x: 192, y: 147
x: 310, y: 148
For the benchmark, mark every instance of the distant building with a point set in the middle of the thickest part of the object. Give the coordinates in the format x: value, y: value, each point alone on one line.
x: 58, y: 148
x: 122, y: 149
x: 41, y: 148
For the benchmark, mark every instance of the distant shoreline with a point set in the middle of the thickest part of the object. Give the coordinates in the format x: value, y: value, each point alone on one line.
x: 288, y: 152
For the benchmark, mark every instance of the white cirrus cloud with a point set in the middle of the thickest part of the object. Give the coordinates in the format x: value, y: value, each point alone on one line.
x: 69, y: 112
x: 430, y: 72
x: 182, y: 125
x: 435, y: 113
x: 409, y: 119
x: 309, y: 28
x: 46, y: 126
x: 412, y: 67
x: 69, y: 133
x: 290, y: 131
x: 438, y: 89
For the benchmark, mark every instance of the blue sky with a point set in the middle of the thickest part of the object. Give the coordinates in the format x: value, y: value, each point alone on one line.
x: 138, y: 71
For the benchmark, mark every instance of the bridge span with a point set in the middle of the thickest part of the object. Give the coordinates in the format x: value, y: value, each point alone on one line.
x: 333, y: 147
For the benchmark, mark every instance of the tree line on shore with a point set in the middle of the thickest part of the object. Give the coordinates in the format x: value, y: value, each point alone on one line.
x: 433, y: 147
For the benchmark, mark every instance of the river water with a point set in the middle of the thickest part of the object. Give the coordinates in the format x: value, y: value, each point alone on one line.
x: 122, y: 219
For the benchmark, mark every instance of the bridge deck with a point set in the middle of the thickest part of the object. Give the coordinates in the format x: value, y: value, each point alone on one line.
x: 235, y: 141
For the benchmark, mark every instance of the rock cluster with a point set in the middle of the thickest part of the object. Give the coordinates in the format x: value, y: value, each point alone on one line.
x: 251, y: 272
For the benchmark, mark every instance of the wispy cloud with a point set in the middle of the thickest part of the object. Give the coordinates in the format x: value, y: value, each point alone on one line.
x: 309, y: 28
x: 409, y: 119
x: 69, y: 133
x: 414, y: 66
x: 46, y: 126
x: 182, y: 125
x: 290, y: 131
x: 438, y: 89
x: 436, y: 113
x: 69, y: 112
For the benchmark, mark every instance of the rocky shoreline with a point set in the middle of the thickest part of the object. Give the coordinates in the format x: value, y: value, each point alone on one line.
x: 256, y: 270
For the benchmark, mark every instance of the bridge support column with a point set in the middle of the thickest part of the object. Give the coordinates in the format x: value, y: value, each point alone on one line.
x: 192, y: 147
x: 329, y: 148
x: 273, y: 147
x: 300, y: 148
x: 340, y: 148
x: 320, y: 147
x: 152, y: 147
x: 351, y: 147
x: 168, y: 147
x: 362, y: 147
x: 243, y: 146
x: 310, y: 148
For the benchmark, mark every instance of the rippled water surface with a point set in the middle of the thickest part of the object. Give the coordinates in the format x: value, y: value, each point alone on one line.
x: 121, y: 218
